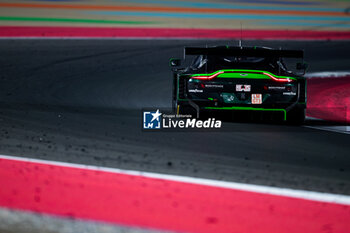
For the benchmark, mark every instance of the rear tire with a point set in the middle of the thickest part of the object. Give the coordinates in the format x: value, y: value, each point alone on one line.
x: 296, y: 116
x: 174, y: 106
x: 185, y: 109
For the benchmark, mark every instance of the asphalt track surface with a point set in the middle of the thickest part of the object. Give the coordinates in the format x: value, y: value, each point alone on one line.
x: 80, y: 101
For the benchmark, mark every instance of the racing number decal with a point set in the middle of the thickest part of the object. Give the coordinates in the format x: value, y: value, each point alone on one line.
x: 241, y: 87
x: 256, y: 98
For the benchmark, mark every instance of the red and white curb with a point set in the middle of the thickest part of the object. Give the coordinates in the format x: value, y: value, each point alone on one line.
x: 165, y: 202
x: 329, y: 100
x: 66, y: 32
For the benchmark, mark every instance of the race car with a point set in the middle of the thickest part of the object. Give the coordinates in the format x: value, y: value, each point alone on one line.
x: 235, y: 79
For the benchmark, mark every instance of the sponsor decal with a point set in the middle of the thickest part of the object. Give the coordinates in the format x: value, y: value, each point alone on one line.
x: 256, y: 98
x: 228, y: 97
x: 276, y: 88
x: 152, y: 120
x: 242, y: 87
x: 242, y: 96
x: 157, y: 120
x: 195, y: 90
x: 214, y: 86
x: 289, y: 93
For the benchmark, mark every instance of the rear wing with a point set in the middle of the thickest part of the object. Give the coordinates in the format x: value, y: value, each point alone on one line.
x: 246, y: 52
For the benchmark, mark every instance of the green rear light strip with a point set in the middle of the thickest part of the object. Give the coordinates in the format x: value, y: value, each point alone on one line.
x: 251, y: 74
x: 251, y: 109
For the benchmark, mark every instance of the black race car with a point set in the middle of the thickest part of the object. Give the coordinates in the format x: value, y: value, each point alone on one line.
x: 240, y: 79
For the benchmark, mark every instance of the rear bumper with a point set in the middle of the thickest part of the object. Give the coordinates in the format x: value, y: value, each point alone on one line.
x: 206, y: 106
x: 224, y: 95
x: 250, y: 109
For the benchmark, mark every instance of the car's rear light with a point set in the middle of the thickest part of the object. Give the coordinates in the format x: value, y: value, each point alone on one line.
x: 278, y: 79
x: 208, y: 77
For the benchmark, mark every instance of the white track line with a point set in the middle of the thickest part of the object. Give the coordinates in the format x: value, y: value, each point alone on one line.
x: 336, y: 129
x: 345, y: 129
x: 308, y: 195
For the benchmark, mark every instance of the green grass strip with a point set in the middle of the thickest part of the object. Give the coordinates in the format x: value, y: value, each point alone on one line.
x: 67, y: 20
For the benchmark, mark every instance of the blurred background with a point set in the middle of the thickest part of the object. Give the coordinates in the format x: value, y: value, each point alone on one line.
x: 330, y: 15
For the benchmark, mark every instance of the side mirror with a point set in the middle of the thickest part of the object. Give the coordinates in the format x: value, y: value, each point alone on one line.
x: 174, y: 62
x: 302, y: 66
